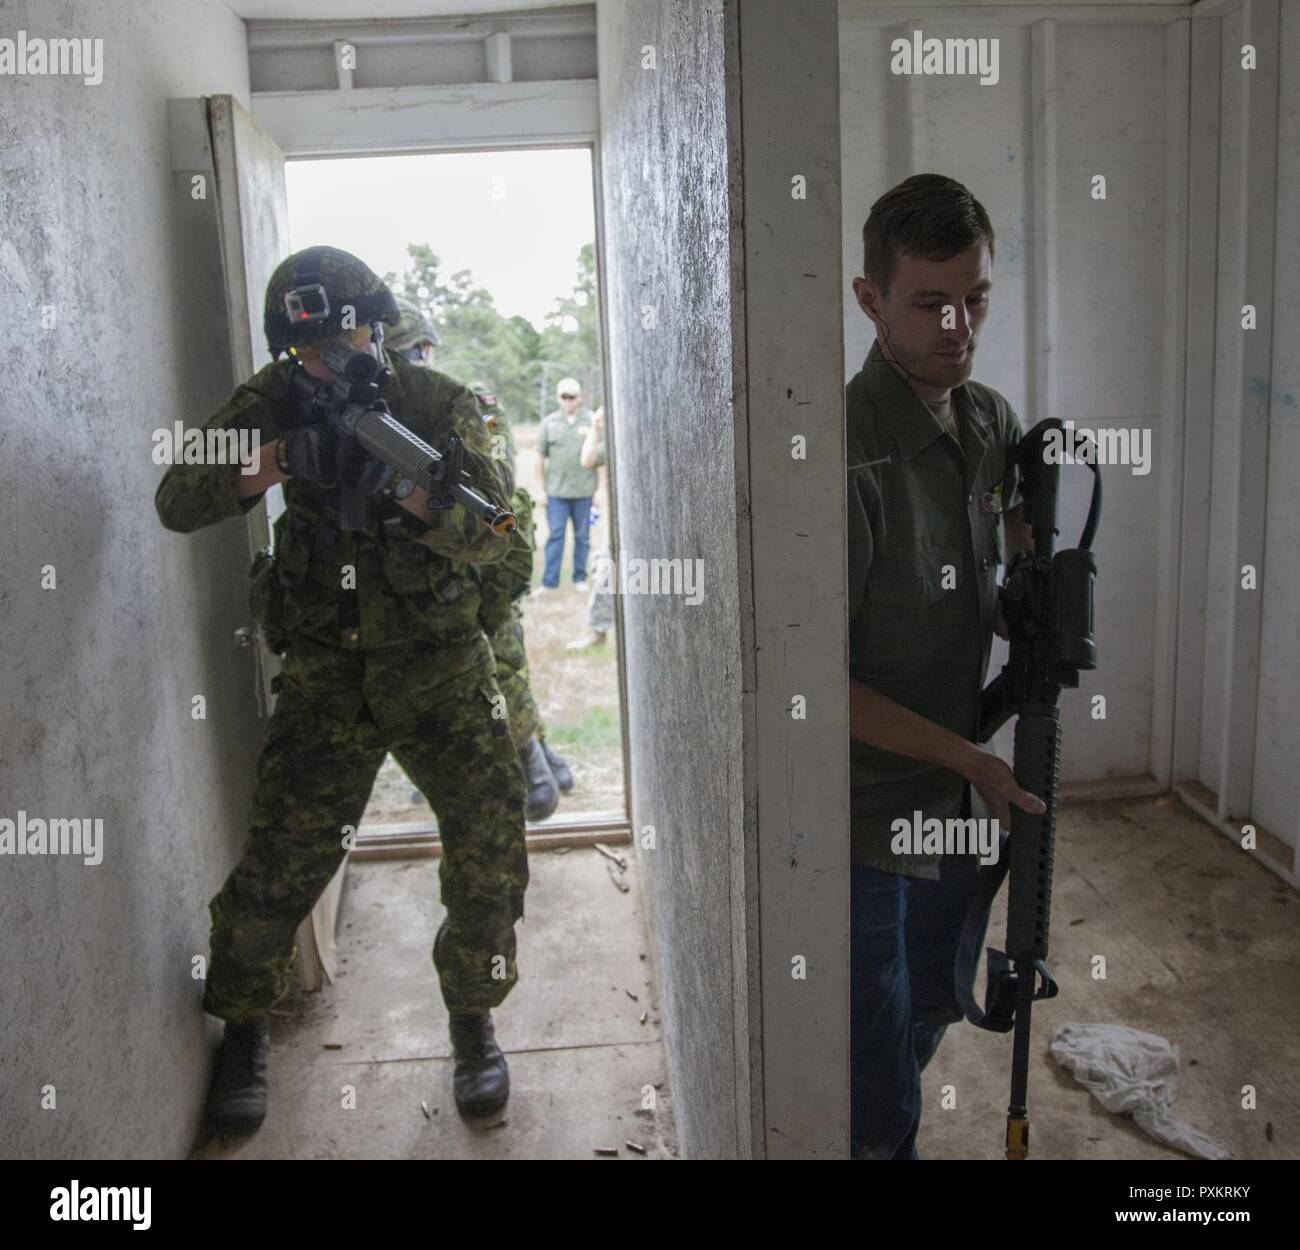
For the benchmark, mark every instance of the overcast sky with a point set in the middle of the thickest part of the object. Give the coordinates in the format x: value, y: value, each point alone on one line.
x: 516, y: 220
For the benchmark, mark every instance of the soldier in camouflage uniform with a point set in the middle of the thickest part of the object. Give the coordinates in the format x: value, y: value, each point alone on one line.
x: 382, y: 652
x: 415, y: 338
x: 495, y: 416
x: 543, y: 767
x: 503, y: 586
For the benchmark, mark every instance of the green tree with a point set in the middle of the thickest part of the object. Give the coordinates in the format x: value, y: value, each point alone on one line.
x: 571, y: 337
x: 478, y: 343
x: 508, y: 354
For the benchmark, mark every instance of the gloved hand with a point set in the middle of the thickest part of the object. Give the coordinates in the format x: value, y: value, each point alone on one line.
x: 310, y: 453
x: 358, y: 470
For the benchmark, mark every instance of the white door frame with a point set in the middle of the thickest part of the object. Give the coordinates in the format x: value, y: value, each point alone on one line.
x: 432, y: 121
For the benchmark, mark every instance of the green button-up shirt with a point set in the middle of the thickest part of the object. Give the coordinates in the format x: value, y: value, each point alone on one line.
x: 560, y: 441
x: 925, y: 542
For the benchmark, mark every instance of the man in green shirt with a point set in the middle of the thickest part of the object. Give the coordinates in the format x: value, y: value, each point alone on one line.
x: 569, y: 486
x: 932, y: 507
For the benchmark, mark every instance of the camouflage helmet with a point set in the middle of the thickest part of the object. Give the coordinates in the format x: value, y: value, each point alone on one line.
x: 413, y: 329
x: 310, y: 293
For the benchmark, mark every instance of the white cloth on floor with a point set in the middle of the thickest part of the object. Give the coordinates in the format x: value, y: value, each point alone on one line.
x: 1133, y: 1073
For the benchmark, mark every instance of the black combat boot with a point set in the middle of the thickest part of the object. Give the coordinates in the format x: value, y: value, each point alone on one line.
x: 543, y: 794
x: 482, y: 1079
x: 563, y: 777
x: 237, y: 1101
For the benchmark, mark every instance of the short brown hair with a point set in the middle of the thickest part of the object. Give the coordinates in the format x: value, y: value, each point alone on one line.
x: 927, y: 215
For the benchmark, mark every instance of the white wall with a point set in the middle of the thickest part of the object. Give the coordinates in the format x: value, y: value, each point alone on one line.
x: 748, y: 876
x: 790, y: 367
x: 1076, y: 323
x: 1238, y: 680
x: 1276, y: 792
x: 95, y: 964
x: 668, y: 238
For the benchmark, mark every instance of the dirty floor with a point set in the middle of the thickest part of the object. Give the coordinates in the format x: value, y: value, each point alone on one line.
x: 1201, y: 946
x: 362, y: 1069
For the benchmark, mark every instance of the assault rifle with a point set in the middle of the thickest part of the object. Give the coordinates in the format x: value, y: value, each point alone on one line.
x: 361, y: 420
x: 1047, y: 602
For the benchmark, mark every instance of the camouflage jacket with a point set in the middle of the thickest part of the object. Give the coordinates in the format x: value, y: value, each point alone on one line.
x: 508, y: 580
x: 397, y: 580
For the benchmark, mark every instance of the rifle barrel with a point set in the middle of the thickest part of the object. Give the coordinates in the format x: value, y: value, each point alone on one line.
x: 1029, y: 901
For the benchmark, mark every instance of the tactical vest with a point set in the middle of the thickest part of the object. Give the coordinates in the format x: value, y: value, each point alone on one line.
x: 404, y: 591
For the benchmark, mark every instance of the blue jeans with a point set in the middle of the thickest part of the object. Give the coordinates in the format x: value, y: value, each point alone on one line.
x: 905, y: 934
x: 558, y: 512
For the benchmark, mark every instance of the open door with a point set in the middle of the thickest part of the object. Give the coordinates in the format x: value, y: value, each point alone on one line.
x: 253, y: 217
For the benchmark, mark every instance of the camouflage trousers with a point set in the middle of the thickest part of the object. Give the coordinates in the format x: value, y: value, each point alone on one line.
x: 325, y: 744
x: 512, y: 676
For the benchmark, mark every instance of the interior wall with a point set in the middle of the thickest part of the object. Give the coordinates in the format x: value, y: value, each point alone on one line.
x: 100, y: 671
x: 671, y: 305
x: 793, y: 365
x: 1239, y: 680
x: 1076, y: 322
x: 1276, y: 792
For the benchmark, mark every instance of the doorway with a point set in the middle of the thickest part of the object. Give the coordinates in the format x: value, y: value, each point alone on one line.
x: 498, y: 249
x: 369, y: 935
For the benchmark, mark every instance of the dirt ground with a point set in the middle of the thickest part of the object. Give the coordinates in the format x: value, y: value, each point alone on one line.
x: 576, y: 691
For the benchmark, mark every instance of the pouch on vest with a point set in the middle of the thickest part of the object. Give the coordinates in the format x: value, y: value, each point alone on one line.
x: 496, y: 608
x: 266, y: 601
x: 294, y: 540
x: 456, y: 602
x: 407, y: 564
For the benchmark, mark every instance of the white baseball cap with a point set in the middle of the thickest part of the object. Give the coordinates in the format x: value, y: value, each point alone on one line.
x: 568, y: 386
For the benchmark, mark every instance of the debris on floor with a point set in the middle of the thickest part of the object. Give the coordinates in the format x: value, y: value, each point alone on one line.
x: 1133, y: 1073
x: 618, y: 859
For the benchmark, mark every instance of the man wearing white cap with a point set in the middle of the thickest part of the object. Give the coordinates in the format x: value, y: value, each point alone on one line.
x: 569, y: 487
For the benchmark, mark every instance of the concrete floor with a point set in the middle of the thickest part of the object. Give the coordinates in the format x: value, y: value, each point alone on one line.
x: 580, y: 1059
x: 1202, y: 946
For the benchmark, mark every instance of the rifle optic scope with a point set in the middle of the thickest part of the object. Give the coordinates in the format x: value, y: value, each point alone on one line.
x: 351, y: 365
